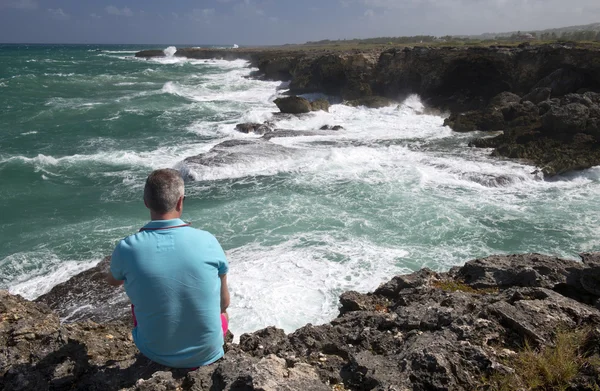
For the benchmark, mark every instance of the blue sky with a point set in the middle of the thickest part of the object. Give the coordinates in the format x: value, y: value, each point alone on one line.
x: 254, y: 22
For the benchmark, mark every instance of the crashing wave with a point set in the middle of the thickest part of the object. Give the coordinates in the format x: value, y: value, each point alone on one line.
x: 170, y: 51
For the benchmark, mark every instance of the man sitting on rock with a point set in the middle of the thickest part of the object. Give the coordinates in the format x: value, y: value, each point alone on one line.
x: 176, y: 279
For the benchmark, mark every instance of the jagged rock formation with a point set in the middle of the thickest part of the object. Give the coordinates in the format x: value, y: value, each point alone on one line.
x: 558, y: 135
x: 87, y: 296
x: 252, y: 127
x: 372, y: 102
x: 300, y: 105
x: 423, y: 331
x: 330, y: 127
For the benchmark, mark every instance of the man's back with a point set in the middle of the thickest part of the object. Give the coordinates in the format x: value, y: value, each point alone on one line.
x: 172, y: 279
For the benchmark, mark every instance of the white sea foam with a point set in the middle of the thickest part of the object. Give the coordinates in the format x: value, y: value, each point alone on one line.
x: 161, y: 157
x: 35, y: 273
x: 292, y: 283
x: 170, y: 51
x: 60, y: 74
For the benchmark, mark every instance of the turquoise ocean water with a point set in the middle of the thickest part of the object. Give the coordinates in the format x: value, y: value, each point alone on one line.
x: 301, y: 218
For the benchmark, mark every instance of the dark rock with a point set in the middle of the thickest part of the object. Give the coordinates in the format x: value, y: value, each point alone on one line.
x: 150, y: 53
x: 545, y: 106
x: 392, y: 288
x: 538, y: 95
x: 503, y: 109
x: 504, y: 99
x: 535, y: 313
x: 263, y: 342
x: 328, y: 127
x: 252, y: 127
x: 320, y: 104
x: 558, y: 135
x: 488, y: 120
x: 576, y: 98
x: 293, y: 105
x: 521, y: 114
x: 88, y: 296
x: 571, y: 118
x: 279, y: 133
x: 354, y: 301
x: 346, y: 74
x: 593, y: 96
x: 372, y: 102
x: 235, y: 152
x: 562, y: 81
x: 529, y: 270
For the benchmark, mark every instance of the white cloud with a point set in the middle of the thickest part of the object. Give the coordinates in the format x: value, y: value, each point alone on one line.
x: 58, y: 14
x: 95, y: 16
x: 19, y: 4
x: 112, y: 10
x: 369, y: 13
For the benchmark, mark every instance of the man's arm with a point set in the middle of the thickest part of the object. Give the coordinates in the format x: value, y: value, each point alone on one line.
x: 114, y: 274
x: 224, y: 293
x: 113, y: 281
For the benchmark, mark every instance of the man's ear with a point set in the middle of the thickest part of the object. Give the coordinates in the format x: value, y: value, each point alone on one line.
x: 145, y: 203
x: 179, y: 206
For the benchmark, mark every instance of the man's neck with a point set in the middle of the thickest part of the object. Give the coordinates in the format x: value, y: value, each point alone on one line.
x: 165, y: 216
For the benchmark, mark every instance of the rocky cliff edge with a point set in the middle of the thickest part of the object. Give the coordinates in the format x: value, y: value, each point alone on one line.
x: 497, y: 323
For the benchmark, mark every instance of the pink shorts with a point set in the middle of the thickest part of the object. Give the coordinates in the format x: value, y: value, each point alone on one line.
x: 224, y: 322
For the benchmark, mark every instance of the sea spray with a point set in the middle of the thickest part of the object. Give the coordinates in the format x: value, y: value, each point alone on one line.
x: 170, y: 51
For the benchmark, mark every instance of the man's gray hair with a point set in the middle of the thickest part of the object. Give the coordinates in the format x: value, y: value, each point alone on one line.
x: 163, y: 189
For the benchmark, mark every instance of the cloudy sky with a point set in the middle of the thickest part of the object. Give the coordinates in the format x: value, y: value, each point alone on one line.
x: 253, y: 22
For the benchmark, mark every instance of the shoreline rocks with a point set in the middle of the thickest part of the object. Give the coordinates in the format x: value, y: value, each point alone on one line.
x: 253, y: 127
x: 422, y: 331
x: 558, y: 135
x: 300, y: 105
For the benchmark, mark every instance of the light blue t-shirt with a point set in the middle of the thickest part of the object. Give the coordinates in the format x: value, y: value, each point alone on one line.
x: 172, y: 278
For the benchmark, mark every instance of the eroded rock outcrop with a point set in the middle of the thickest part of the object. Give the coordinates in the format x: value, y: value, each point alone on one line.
x: 558, y: 134
x: 372, y: 102
x: 253, y: 127
x: 300, y: 105
x: 423, y: 331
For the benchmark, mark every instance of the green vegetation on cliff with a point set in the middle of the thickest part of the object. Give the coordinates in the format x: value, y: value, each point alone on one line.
x: 586, y: 33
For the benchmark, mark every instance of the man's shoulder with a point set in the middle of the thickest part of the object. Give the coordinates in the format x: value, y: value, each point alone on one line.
x: 202, y: 234
x: 129, y: 242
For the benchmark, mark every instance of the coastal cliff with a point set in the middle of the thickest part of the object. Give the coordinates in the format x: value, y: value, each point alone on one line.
x: 551, y: 123
x: 448, y: 77
x: 495, y: 323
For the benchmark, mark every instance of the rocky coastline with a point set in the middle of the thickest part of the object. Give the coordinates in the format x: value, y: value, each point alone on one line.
x: 476, y: 327
x: 506, y: 322
x: 552, y: 119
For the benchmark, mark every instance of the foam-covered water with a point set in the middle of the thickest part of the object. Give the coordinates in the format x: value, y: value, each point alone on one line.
x: 302, y: 218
